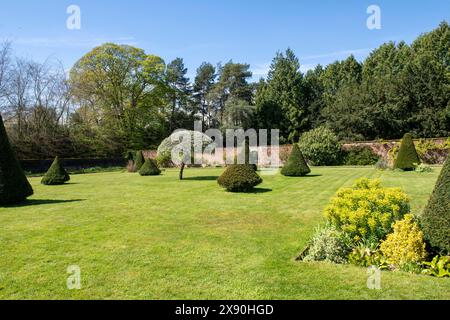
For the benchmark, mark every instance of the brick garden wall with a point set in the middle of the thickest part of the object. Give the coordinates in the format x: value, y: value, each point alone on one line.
x: 380, y: 148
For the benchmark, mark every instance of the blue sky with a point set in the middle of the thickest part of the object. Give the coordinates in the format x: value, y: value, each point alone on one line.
x: 250, y: 31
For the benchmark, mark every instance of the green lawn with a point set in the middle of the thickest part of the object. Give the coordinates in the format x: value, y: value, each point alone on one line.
x: 160, y: 238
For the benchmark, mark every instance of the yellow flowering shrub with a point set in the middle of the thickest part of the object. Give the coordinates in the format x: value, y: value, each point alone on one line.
x: 367, y: 211
x: 405, y: 244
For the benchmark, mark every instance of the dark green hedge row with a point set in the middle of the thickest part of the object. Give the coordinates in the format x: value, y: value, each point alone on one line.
x: 41, y: 166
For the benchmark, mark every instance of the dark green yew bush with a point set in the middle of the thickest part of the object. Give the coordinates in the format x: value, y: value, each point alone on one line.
x: 407, y: 158
x: 435, y: 220
x: 139, y: 161
x: 149, y: 168
x: 239, y: 178
x: 56, y: 174
x: 14, y: 186
x: 296, y: 165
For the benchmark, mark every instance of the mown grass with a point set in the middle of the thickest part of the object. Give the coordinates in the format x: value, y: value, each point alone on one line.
x: 159, y: 238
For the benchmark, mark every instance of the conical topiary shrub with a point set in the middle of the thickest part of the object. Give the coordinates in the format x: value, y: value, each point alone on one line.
x: 149, y: 168
x: 239, y: 178
x: 435, y: 219
x: 407, y: 157
x: 56, y: 174
x: 139, y: 161
x: 296, y: 165
x: 14, y: 186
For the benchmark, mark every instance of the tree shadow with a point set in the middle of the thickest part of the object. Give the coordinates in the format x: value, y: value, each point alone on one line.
x: 260, y: 190
x: 307, y: 176
x: 202, y: 178
x: 37, y: 202
x: 62, y: 184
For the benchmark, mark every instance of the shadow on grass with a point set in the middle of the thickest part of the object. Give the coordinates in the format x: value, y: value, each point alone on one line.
x: 307, y: 176
x: 201, y: 178
x: 38, y: 202
x: 260, y: 190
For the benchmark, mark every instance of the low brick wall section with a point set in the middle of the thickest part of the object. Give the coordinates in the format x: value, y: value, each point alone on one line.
x: 382, y: 149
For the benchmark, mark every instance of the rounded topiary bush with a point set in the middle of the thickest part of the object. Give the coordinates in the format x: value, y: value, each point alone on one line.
x: 56, y: 174
x: 239, y: 178
x: 321, y: 147
x: 435, y: 219
x: 296, y: 165
x: 14, y: 186
x: 407, y: 157
x: 149, y: 168
x: 139, y: 161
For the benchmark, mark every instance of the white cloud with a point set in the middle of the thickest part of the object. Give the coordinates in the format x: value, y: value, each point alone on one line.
x: 261, y: 70
x: 337, y: 54
x: 306, y: 67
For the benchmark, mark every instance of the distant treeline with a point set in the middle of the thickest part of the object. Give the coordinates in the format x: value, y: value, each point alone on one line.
x: 118, y: 98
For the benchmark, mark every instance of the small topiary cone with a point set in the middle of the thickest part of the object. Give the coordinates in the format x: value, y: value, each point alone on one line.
x: 149, y: 168
x: 139, y: 162
x: 407, y: 158
x: 296, y: 165
x: 56, y: 174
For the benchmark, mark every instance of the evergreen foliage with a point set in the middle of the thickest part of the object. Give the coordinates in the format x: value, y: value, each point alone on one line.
x: 139, y: 161
x: 296, y: 165
x: 435, y: 220
x: 149, y: 168
x: 407, y: 158
x: 56, y: 174
x: 239, y: 178
x: 14, y: 186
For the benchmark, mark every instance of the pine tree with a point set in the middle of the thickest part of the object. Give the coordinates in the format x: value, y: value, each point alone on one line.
x: 407, y: 158
x: 296, y: 165
x: 56, y: 174
x: 149, y: 168
x: 435, y: 220
x: 139, y: 161
x: 14, y: 186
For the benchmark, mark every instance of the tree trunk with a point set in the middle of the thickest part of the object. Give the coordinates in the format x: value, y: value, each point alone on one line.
x: 181, y: 170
